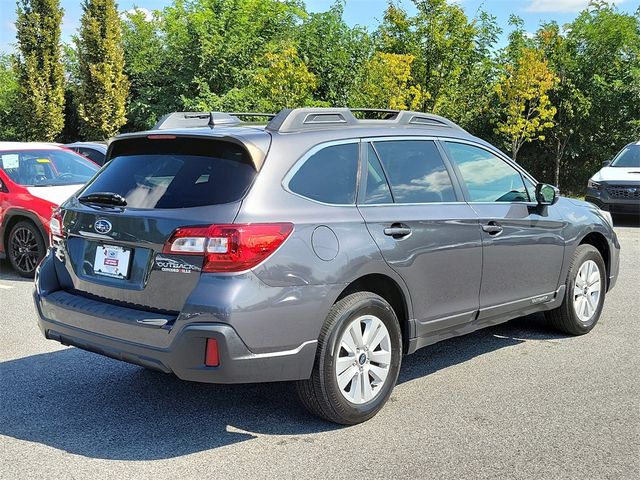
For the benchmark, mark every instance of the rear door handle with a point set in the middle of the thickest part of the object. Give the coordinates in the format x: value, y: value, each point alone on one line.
x: 492, y: 228
x: 397, y: 230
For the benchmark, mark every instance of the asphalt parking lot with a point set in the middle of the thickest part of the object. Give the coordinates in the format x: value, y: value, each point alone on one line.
x: 513, y: 401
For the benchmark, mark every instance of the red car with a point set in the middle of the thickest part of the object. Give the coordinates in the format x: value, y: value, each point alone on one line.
x: 34, y: 179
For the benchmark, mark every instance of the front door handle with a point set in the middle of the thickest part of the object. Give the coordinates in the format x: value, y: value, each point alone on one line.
x: 397, y: 230
x: 492, y: 228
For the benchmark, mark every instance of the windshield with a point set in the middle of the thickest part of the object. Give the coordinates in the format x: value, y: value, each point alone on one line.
x: 629, y: 157
x: 45, y: 168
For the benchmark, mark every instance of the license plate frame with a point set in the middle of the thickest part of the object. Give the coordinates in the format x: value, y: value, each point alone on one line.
x: 112, y: 261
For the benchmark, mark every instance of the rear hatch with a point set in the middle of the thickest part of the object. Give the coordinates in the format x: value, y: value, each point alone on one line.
x: 115, y: 229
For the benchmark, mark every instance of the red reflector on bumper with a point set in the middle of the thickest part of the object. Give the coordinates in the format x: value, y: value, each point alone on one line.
x: 211, y: 356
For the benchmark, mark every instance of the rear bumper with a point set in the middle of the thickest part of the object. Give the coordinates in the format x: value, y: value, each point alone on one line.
x: 178, y: 347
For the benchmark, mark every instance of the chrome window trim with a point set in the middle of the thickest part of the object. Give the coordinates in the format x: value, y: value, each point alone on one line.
x: 409, y: 204
x: 307, y: 155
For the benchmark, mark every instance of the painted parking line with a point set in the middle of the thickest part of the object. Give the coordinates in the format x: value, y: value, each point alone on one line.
x: 5, y: 287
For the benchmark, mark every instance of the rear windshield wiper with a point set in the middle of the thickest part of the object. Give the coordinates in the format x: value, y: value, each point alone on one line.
x: 105, y: 198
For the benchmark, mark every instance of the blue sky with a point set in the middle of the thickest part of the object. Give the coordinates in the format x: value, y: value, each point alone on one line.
x: 360, y: 12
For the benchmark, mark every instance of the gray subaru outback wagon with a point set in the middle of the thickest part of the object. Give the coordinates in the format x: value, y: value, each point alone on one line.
x: 319, y: 248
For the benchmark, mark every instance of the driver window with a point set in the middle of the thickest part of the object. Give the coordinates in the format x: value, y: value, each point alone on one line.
x: 487, y: 177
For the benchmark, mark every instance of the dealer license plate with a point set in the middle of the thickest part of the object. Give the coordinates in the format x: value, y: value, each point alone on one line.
x: 112, y: 261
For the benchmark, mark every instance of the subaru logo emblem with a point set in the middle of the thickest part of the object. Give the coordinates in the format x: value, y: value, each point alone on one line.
x: 102, y: 226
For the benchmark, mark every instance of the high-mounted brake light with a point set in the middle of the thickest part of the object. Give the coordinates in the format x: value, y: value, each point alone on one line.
x: 161, y: 136
x: 229, y: 248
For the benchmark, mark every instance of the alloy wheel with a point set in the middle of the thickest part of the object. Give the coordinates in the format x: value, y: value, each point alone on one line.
x: 586, y: 291
x: 363, y: 359
x: 24, y: 249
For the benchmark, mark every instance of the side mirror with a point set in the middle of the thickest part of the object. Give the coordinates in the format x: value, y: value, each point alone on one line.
x: 547, y: 194
x: 606, y: 163
x: 3, y: 189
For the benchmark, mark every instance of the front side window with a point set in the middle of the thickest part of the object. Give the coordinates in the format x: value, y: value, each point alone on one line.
x: 46, y: 168
x: 329, y: 175
x: 415, y: 171
x: 487, y: 177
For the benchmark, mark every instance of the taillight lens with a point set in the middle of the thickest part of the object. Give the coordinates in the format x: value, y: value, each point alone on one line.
x: 229, y: 248
x: 211, y: 356
x: 56, y: 228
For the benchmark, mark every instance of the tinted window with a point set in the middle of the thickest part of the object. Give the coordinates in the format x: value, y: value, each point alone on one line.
x: 329, y: 175
x: 42, y: 168
x: 629, y: 157
x: 176, y: 173
x: 416, y: 171
x: 377, y: 187
x: 487, y: 177
x: 94, y: 155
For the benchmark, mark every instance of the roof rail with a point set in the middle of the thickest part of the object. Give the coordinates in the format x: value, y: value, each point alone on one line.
x: 293, y: 120
x: 205, y: 119
x: 253, y: 114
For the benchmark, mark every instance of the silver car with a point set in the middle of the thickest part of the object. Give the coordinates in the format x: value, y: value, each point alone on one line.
x: 319, y: 248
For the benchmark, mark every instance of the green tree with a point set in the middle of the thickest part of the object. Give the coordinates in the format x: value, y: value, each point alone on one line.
x: 386, y: 83
x: 8, y: 99
x: 440, y: 38
x: 39, y: 70
x: 333, y: 51
x: 282, y: 80
x: 523, y: 92
x: 211, y: 44
x: 145, y: 56
x: 604, y: 48
x: 103, y: 87
x: 572, y: 107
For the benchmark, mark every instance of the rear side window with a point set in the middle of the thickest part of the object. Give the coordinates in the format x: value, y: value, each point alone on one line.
x: 176, y: 173
x: 487, y: 177
x: 416, y: 171
x: 329, y: 175
x: 93, y: 155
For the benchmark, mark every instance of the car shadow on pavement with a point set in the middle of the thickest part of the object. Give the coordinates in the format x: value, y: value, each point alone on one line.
x: 7, y: 273
x: 93, y: 406
x: 626, y: 220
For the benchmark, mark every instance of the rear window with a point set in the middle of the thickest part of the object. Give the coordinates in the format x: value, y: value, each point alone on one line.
x: 176, y: 173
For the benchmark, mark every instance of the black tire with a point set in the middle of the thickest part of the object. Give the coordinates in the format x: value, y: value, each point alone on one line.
x: 321, y: 394
x: 565, y: 318
x: 25, y: 248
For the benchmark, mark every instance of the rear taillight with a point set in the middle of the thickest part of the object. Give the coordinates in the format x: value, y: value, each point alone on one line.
x: 56, y: 227
x: 229, y: 248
